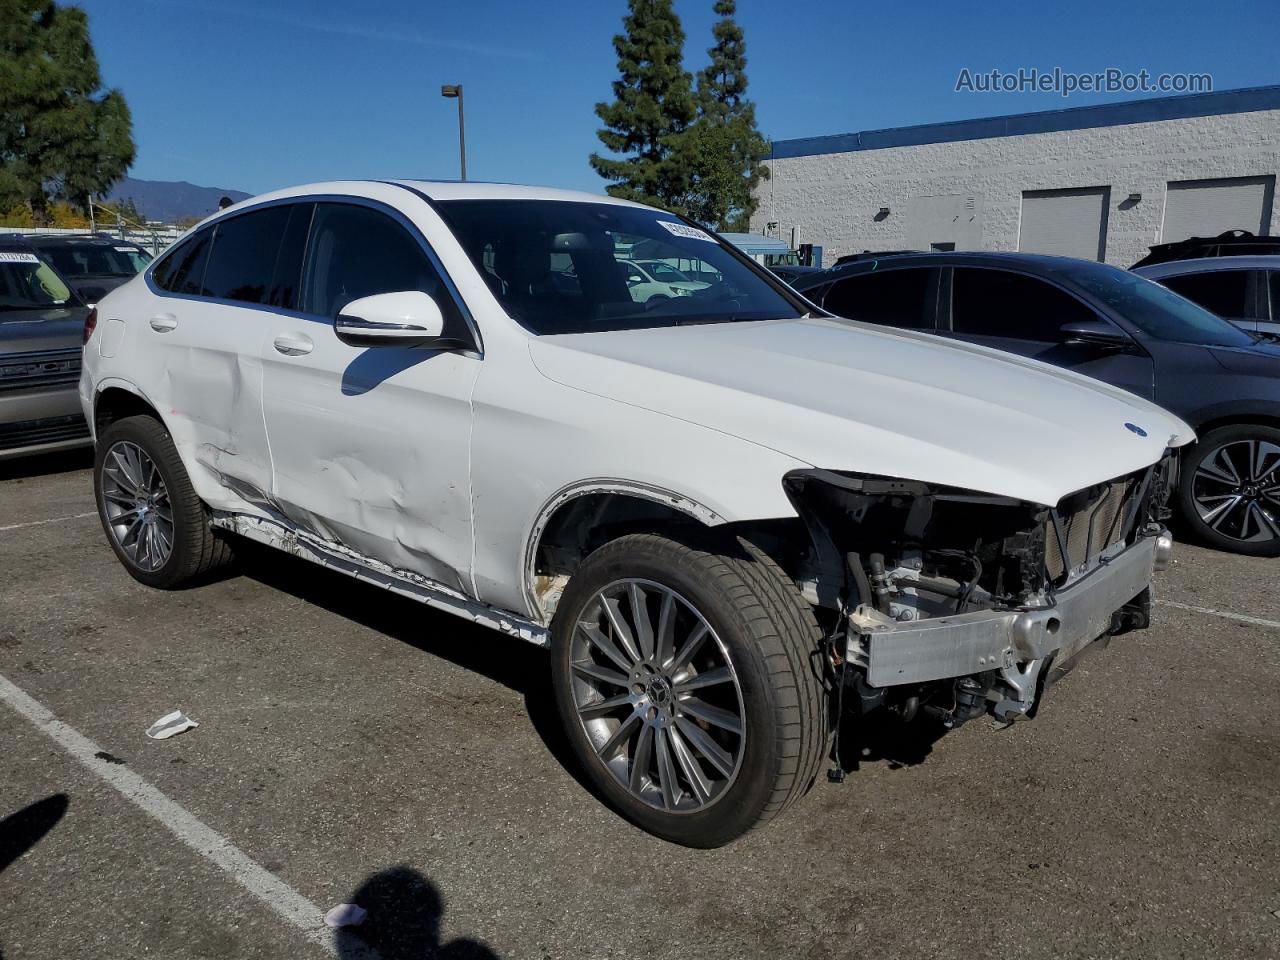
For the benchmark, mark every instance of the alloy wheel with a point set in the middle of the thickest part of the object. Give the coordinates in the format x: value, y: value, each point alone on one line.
x: 1236, y: 489
x: 137, y: 506
x: 657, y: 695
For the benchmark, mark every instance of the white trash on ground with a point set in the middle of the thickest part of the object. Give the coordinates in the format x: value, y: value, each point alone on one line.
x: 345, y: 915
x: 170, y: 725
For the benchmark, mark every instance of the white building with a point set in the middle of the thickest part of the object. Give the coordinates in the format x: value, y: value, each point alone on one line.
x: 1103, y: 182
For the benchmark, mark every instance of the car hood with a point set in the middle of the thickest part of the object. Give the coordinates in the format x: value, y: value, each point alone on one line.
x: 55, y: 328
x: 843, y: 395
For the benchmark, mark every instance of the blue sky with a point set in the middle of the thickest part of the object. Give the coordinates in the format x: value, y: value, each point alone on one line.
x: 259, y: 95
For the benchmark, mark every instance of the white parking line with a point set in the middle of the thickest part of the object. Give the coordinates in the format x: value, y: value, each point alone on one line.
x: 1225, y: 614
x: 40, y: 523
x: 288, y: 903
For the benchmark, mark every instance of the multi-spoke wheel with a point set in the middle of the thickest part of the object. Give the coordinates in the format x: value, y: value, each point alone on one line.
x: 152, y: 516
x: 689, y: 683
x: 1230, y: 489
x: 656, y: 693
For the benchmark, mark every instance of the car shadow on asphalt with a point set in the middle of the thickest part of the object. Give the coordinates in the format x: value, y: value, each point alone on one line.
x: 21, y: 831
x: 516, y: 664
x: 882, y: 737
x: 46, y: 464
x: 405, y: 910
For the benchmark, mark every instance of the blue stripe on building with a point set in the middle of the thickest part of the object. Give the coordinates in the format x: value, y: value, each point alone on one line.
x: 1047, y: 121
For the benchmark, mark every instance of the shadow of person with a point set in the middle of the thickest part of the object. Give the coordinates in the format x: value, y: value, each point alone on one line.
x: 405, y: 910
x: 21, y: 831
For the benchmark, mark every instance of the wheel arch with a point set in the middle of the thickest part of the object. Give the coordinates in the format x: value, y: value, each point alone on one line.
x: 581, y: 517
x: 116, y: 399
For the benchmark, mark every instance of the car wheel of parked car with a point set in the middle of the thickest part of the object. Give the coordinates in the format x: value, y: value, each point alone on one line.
x: 688, y: 678
x: 154, y: 521
x: 1230, y: 489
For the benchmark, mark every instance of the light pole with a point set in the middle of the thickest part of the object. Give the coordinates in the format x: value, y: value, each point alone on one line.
x: 455, y: 90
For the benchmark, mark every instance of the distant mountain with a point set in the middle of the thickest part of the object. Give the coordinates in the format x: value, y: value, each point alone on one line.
x: 171, y: 201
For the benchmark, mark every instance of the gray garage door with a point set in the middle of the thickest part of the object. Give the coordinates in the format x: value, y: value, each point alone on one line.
x: 1068, y: 223
x: 1205, y: 208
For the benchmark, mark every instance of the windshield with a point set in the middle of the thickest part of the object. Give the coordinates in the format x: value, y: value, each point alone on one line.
x: 1157, y: 311
x: 27, y: 283
x: 566, y: 267
x: 97, y: 259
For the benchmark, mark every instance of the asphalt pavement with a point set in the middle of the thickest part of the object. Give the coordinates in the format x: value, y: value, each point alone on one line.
x: 357, y: 747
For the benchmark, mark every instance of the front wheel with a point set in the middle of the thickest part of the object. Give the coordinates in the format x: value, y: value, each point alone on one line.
x: 690, y: 684
x: 1229, y: 490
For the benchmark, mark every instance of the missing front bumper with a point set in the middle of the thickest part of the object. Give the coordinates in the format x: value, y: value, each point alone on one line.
x: 1007, y: 641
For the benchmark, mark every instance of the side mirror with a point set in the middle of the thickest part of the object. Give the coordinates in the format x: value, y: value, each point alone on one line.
x: 408, y: 318
x: 1096, y: 333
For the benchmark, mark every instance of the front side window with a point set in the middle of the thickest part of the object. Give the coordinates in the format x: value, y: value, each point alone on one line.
x: 182, y: 270
x: 355, y: 251
x: 561, y: 267
x: 243, y: 258
x: 896, y: 298
x: 1011, y: 306
x: 28, y: 283
x: 1224, y: 292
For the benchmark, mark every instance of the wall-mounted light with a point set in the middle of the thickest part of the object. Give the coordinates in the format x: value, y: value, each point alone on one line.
x: 881, y: 214
x: 1135, y: 197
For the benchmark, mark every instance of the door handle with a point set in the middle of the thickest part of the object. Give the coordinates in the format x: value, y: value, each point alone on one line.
x: 294, y: 344
x: 164, y: 322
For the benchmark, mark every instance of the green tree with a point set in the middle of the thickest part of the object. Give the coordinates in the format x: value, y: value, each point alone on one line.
x: 653, y: 106
x: 723, y: 151
x: 62, y: 137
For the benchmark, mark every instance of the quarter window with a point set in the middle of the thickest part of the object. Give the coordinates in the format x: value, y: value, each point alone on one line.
x: 243, y: 259
x: 896, y: 298
x: 182, y: 271
x: 355, y: 252
x: 1011, y: 306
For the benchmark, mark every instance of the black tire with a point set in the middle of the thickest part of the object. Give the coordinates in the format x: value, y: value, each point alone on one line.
x: 773, y: 643
x: 197, y: 549
x: 1191, y: 486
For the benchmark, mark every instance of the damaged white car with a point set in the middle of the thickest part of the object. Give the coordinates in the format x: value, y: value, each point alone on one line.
x: 725, y: 513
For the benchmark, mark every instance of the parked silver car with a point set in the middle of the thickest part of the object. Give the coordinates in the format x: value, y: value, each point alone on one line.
x: 1244, y: 290
x: 42, y: 322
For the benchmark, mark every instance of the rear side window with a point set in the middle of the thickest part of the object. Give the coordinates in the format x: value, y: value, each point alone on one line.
x: 1011, y: 306
x: 355, y: 251
x: 1224, y: 292
x: 895, y: 298
x: 243, y: 260
x: 182, y: 271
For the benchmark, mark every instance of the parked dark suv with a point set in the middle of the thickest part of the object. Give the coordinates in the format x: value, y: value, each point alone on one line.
x: 95, y: 264
x: 1119, y: 327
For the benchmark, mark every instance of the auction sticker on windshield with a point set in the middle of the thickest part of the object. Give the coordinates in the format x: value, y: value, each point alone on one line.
x: 18, y: 257
x: 684, y: 230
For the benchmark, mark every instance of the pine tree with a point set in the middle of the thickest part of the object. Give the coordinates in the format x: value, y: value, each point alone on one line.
x: 653, y: 106
x: 723, y: 150
x: 62, y: 137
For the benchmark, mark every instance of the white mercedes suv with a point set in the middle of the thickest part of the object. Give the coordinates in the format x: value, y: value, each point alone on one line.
x: 728, y: 515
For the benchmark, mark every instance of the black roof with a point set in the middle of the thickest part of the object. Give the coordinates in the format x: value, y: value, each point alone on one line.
x: 1034, y: 263
x: 1227, y: 244
x: 67, y: 239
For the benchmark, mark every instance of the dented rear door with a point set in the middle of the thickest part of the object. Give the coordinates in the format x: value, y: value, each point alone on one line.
x: 370, y: 445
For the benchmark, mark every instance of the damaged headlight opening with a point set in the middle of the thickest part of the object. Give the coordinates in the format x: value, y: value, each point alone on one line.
x: 960, y: 590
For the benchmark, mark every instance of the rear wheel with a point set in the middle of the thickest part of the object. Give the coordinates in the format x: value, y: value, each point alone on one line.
x: 689, y: 682
x: 1229, y: 490
x: 154, y: 521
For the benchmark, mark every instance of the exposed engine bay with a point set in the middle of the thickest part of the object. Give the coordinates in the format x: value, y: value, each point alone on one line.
x: 957, y: 603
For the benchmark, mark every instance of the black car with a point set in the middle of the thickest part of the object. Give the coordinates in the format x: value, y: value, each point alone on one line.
x: 790, y: 273
x: 1120, y: 328
x: 94, y: 263
x: 1231, y: 243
